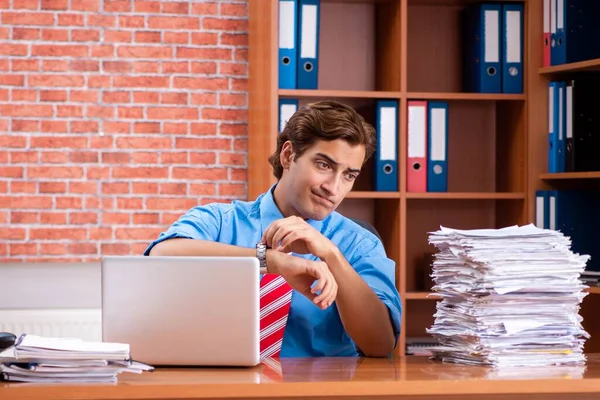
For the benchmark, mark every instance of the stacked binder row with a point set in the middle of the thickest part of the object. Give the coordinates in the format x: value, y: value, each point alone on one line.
x: 510, y: 297
x: 40, y: 359
x: 573, y: 144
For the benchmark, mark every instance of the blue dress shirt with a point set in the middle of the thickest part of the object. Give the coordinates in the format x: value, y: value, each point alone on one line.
x: 310, y: 331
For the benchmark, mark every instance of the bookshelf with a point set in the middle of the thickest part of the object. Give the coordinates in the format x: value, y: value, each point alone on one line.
x: 538, y: 78
x: 411, y: 50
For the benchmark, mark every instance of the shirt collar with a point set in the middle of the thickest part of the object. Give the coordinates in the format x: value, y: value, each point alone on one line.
x: 269, y: 212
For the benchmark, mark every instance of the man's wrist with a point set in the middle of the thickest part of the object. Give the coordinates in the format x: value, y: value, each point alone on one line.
x: 333, y: 256
x: 272, y: 261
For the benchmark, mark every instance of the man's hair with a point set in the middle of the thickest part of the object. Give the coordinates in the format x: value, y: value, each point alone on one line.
x: 324, y: 120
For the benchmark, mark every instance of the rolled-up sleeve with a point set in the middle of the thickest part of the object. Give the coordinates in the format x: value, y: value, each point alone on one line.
x: 379, y: 272
x: 202, y: 222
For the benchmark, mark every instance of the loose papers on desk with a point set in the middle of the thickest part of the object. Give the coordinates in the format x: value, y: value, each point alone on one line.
x: 42, y: 359
x: 510, y: 297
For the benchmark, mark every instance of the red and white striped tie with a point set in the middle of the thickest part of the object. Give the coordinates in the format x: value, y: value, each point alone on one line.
x: 275, y: 298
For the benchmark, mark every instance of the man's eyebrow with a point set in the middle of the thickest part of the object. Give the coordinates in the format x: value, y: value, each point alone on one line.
x: 332, y: 161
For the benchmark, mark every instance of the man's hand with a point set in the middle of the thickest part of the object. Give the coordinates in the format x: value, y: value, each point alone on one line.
x: 293, y: 234
x: 301, y: 274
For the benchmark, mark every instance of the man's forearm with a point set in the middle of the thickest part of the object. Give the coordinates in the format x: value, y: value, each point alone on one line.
x: 197, y: 248
x: 193, y: 247
x: 365, y: 317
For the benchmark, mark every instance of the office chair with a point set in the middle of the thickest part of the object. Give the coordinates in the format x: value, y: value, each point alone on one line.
x: 368, y: 227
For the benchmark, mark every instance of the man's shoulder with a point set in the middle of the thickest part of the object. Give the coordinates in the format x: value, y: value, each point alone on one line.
x: 352, y: 228
x: 234, y: 206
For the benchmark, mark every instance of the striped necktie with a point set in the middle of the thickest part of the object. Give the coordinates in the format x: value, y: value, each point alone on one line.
x: 275, y: 298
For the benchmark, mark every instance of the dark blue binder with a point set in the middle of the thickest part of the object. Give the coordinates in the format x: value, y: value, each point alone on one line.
x: 309, y: 16
x: 482, y: 46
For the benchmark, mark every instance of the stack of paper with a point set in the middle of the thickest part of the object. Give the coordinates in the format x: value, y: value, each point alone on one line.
x: 510, y: 297
x: 41, y: 359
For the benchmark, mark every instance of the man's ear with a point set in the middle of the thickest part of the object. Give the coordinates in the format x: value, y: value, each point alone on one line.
x: 287, y: 155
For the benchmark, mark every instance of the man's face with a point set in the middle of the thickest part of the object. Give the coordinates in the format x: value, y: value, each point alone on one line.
x: 317, y: 182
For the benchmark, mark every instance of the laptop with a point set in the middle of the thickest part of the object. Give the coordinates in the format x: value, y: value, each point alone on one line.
x: 183, y: 311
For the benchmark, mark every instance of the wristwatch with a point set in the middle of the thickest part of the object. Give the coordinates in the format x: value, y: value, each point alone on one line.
x: 261, y: 254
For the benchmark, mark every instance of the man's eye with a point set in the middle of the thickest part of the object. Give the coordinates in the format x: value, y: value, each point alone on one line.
x: 322, y: 165
x: 351, y: 177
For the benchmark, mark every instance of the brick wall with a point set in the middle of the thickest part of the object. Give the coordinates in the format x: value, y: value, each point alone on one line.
x: 116, y: 116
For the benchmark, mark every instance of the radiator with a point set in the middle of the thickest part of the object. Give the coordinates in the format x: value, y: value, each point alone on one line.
x: 85, y: 324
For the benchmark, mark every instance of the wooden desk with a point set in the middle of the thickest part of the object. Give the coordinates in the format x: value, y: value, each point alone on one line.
x: 411, y: 378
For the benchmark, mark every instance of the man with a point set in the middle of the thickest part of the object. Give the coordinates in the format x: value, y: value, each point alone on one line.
x: 344, y: 301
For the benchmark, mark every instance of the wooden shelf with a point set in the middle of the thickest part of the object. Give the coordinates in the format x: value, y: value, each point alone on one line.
x: 473, y: 196
x: 570, y: 175
x: 387, y: 49
x: 464, y: 96
x: 328, y: 94
x: 581, y: 66
x: 593, y: 290
x: 420, y: 296
x: 373, y: 195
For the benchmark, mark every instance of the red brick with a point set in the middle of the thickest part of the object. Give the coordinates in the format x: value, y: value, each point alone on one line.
x: 53, y: 95
x: 26, y: 110
x: 85, y: 5
x: 137, y: 233
x: 207, y: 158
x: 148, y: 37
x: 240, y: 25
x: 145, y: 52
x: 176, y: 37
x: 71, y: 19
x: 172, y: 113
x: 27, y: 18
x: 232, y: 189
x: 13, y: 49
x: 60, y: 50
x: 55, y: 35
x: 115, y: 249
x: 53, y: 218
x: 12, y: 233
x: 18, y: 249
x: 11, y: 172
x: 204, y: 54
x: 55, y: 4
x: 173, y: 188
x: 53, y: 187
x: 145, y: 188
x: 146, y: 218
x: 146, y: 67
x: 146, y: 127
x: 131, y: 22
x: 115, y: 188
x: 25, y: 125
x: 55, y: 157
x: 105, y: 21
x: 175, y: 8
x: 175, y: 23
x: 84, y: 96
x: 128, y: 203
x: 56, y: 80
x: 55, y: 172
x: 173, y: 158
x: 83, y: 248
x: 24, y: 217
x: 203, y: 128
x: 58, y: 233
x: 167, y: 203
x: 233, y: 159
x: 144, y: 143
x: 145, y: 6
x: 115, y: 218
x: 83, y: 218
x: 201, y: 83
x: 225, y: 114
x: 141, y: 81
x: 205, y: 38
x: 23, y: 95
x: 117, y: 5
x: 117, y: 36
x: 140, y: 172
x: 199, y: 173
x: 26, y: 33
x: 23, y: 187
x: 205, y: 8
